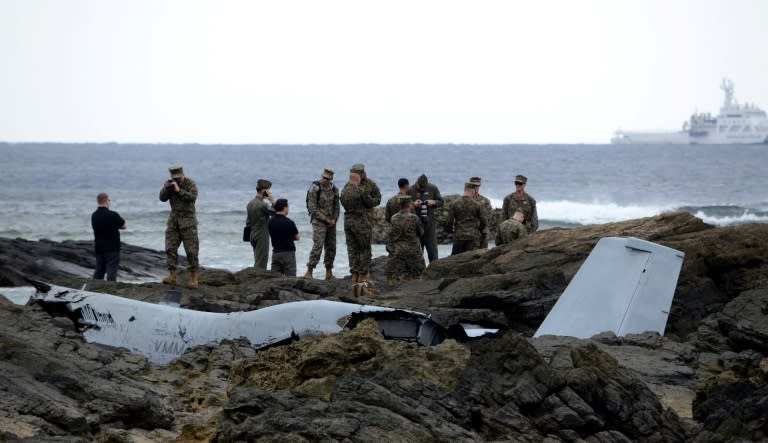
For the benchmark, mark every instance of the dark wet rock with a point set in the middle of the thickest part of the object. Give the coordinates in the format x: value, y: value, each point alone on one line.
x: 49, y: 260
x: 734, y: 404
x: 355, y: 386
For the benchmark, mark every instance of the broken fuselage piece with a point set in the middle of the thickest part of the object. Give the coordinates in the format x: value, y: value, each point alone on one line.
x: 162, y: 332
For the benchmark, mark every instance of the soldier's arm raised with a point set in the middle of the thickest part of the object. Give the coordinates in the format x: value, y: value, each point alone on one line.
x: 372, y: 197
x: 188, y: 193
x: 164, y: 193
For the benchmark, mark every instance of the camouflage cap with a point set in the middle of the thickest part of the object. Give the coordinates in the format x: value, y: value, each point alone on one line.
x: 263, y: 184
x: 521, y: 178
x: 470, y: 185
x: 176, y: 171
x: 358, y: 168
x: 327, y: 174
x: 475, y: 180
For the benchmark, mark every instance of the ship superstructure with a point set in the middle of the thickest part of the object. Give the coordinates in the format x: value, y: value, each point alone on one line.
x: 736, y: 124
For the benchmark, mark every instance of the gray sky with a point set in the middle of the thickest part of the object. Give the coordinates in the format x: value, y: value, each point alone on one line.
x: 370, y: 71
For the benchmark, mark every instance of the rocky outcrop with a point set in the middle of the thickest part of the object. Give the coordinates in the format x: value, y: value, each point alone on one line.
x: 47, y: 259
x: 703, y: 381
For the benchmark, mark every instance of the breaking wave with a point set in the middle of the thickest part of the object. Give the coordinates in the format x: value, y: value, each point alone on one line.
x: 569, y: 213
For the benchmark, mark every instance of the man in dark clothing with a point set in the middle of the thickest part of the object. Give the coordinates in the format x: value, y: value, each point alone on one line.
x: 283, y: 232
x: 426, y: 198
x: 106, y: 235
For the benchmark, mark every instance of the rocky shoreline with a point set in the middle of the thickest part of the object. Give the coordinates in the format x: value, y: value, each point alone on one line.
x: 704, y: 380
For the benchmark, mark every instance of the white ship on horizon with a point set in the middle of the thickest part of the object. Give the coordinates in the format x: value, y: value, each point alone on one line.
x: 736, y: 124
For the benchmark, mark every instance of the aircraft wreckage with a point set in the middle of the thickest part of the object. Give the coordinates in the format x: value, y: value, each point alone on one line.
x: 163, y: 331
x: 625, y: 285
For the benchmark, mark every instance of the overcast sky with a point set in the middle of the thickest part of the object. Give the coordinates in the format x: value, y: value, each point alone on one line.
x: 370, y: 71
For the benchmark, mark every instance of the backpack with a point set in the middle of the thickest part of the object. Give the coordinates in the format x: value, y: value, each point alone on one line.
x: 317, y: 189
x: 311, y: 189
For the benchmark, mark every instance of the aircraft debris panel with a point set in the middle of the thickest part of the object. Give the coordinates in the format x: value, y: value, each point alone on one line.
x: 162, y: 332
x: 625, y: 286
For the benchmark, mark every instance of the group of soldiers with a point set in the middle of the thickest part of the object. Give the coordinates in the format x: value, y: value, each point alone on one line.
x: 412, y: 214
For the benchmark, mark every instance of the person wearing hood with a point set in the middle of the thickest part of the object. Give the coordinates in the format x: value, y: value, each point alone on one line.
x: 426, y: 199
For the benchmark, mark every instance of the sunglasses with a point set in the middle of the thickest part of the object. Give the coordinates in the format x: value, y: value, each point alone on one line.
x: 519, y: 183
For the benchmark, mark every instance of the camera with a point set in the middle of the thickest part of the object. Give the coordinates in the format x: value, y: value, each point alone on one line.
x: 424, y: 211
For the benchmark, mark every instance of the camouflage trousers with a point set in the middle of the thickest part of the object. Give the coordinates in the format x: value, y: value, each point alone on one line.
x: 405, y: 260
x: 178, y: 231
x: 322, y: 237
x: 359, y: 232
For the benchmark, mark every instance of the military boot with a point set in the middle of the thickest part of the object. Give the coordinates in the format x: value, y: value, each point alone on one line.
x: 329, y: 274
x: 171, y: 279
x: 308, y: 274
x: 192, y: 282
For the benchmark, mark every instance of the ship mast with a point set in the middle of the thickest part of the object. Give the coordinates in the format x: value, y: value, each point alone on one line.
x: 727, y: 86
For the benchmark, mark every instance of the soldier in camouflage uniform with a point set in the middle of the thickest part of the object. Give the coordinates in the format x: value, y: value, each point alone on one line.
x: 466, y: 220
x: 359, y: 196
x: 393, y: 204
x: 323, y: 207
x: 485, y: 204
x: 406, y: 260
x: 523, y: 202
x: 257, y: 217
x: 181, y: 226
x: 512, y: 229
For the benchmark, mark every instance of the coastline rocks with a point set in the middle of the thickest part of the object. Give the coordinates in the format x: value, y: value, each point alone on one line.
x: 703, y: 381
x: 49, y: 260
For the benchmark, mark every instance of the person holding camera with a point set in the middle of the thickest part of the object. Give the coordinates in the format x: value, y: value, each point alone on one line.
x: 181, y: 227
x: 426, y: 199
x: 258, y: 217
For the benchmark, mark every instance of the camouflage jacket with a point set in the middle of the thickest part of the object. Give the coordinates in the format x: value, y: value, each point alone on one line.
x: 510, y: 230
x: 524, y: 203
x: 485, y: 205
x: 393, y: 206
x: 360, y: 199
x: 182, y: 202
x: 326, y: 206
x: 405, y: 232
x: 465, y: 219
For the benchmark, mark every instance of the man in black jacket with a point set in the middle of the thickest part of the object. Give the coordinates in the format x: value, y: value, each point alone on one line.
x: 426, y: 198
x: 106, y: 235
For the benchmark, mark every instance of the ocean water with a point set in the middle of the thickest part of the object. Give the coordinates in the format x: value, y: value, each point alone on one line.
x: 49, y: 190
